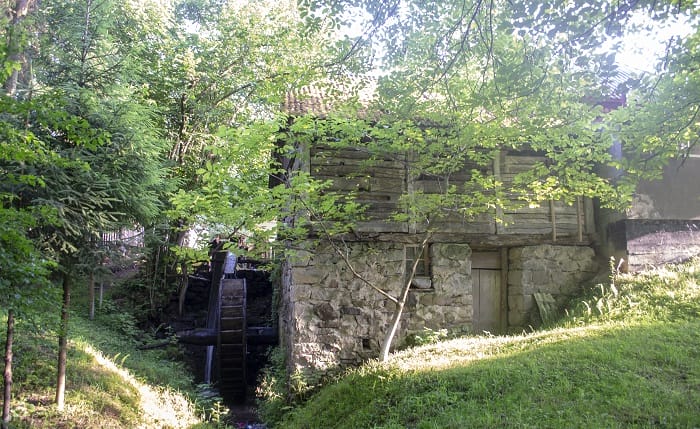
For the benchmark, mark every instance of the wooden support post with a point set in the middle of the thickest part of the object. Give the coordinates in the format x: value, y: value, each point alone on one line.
x: 497, y: 176
x: 504, y: 290
x: 579, y: 217
x: 588, y: 216
x: 554, y: 220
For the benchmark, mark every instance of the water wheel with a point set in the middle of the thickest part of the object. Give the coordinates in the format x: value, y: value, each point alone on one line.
x: 231, y: 341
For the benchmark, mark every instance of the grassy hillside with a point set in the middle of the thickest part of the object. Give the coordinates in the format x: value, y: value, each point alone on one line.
x: 627, y: 355
x: 110, y: 382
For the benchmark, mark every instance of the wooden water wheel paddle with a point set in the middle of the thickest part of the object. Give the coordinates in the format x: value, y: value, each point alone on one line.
x: 231, y: 341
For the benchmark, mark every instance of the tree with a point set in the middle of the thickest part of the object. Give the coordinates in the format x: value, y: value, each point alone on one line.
x: 464, y: 81
x: 104, y: 163
x: 14, y: 46
x: 24, y: 284
x: 224, y: 82
x: 25, y: 289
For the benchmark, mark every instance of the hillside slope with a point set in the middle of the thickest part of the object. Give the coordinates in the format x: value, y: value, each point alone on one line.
x: 110, y: 382
x: 627, y: 355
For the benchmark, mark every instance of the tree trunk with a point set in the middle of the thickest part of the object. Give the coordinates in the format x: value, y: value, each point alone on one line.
x: 7, y: 376
x: 399, y: 306
x: 102, y: 292
x: 14, y: 43
x: 184, y: 282
x: 91, y: 295
x: 63, y: 344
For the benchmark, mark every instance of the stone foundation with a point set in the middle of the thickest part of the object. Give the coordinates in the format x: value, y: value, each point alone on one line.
x: 331, y: 318
x: 647, y: 243
x: 557, y: 270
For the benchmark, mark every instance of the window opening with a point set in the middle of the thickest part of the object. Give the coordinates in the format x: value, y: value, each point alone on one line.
x: 422, y: 278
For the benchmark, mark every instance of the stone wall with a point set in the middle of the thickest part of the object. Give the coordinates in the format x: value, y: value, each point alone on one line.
x: 331, y: 318
x: 646, y: 243
x: 558, y: 270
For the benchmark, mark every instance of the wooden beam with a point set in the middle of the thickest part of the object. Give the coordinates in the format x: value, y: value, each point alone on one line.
x: 497, y: 176
x: 553, y: 217
x: 579, y: 217
x: 480, y: 241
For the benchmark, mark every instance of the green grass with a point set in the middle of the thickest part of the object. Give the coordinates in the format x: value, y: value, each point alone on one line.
x: 110, y: 383
x: 627, y: 357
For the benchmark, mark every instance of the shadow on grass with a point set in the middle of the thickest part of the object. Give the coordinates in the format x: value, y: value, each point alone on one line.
x: 642, y: 376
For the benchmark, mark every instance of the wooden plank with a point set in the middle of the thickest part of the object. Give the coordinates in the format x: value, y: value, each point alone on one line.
x: 589, y: 216
x: 527, y: 230
x: 367, y: 184
x: 486, y: 260
x: 497, y: 161
x: 341, y: 169
x: 511, y: 221
x: 554, y: 220
x: 579, y: 217
x: 327, y: 152
x: 379, y: 209
x: 486, y: 300
x: 540, y: 229
x: 232, y: 323
x: 519, y: 164
x: 378, y: 226
x: 544, y: 208
x: 464, y: 227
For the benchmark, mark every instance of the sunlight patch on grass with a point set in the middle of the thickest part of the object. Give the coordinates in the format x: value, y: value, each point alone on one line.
x: 161, y: 407
x: 461, y: 351
x: 626, y: 355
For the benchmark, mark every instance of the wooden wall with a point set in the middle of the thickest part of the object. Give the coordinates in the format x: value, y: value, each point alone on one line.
x: 379, y: 183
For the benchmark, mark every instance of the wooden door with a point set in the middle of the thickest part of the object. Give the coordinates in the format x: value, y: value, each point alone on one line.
x: 487, y: 292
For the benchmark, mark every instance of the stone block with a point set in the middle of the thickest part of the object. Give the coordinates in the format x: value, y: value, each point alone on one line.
x: 308, y: 276
x: 347, y: 310
x: 540, y: 277
x: 464, y: 313
x: 411, y: 301
x: 301, y: 258
x: 453, y: 283
x: 393, y: 255
x: 325, y: 312
x: 330, y: 324
x: 514, y: 255
x: 422, y: 283
x: 443, y: 300
x: 329, y: 341
x: 515, y: 277
x: 323, y: 294
x: 426, y: 299
x: 517, y: 319
x: 300, y: 310
x: 442, y: 253
x: 515, y: 289
x: 300, y: 292
x: 516, y: 303
x: 460, y: 300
